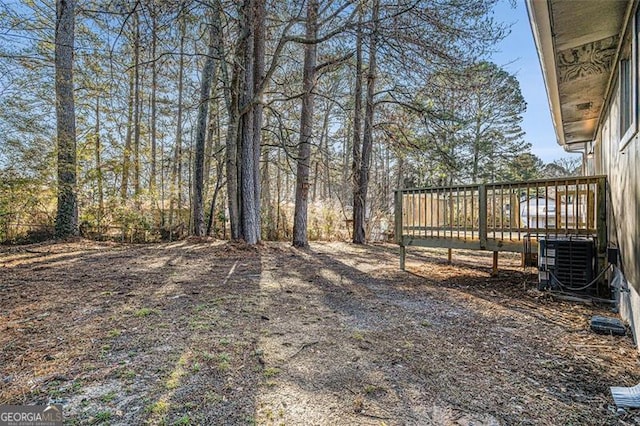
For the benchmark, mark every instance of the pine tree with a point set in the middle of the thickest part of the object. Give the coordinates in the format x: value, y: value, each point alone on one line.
x: 67, y: 215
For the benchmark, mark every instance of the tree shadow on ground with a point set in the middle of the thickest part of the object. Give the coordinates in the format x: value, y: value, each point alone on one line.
x: 134, y: 334
x: 426, y: 342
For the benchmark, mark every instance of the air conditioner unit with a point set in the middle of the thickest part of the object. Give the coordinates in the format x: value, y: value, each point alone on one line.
x: 567, y: 264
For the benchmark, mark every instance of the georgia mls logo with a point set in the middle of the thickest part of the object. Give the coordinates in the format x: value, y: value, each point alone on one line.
x: 30, y: 415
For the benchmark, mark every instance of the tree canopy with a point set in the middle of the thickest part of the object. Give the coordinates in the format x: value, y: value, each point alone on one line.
x: 232, y: 118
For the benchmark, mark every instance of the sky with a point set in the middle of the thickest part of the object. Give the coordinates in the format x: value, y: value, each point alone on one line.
x: 517, y: 54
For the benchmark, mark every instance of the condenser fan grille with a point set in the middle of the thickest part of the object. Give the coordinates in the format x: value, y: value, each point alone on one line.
x: 567, y: 264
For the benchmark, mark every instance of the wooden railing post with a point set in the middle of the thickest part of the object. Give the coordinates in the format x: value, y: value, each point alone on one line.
x: 482, y: 215
x: 398, y: 215
x: 601, y: 214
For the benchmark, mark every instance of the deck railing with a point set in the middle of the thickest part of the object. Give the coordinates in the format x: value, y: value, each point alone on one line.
x: 501, y: 216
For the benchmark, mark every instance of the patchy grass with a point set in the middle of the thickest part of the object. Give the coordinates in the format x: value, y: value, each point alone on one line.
x: 357, y: 335
x: 127, y: 374
x: 103, y: 416
x: 160, y: 408
x: 145, y: 312
x: 108, y: 397
x: 371, y: 390
x: 183, y: 421
x: 270, y: 372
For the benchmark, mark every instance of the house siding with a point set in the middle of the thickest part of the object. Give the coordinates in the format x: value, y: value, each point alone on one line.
x: 622, y: 166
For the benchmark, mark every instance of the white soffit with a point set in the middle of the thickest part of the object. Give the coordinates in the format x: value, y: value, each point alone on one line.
x: 577, y: 42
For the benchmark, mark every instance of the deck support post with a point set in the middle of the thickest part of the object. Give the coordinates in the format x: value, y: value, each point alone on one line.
x: 449, y: 256
x: 403, y: 255
x: 494, y: 270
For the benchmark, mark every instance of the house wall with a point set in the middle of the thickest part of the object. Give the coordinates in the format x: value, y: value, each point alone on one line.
x: 622, y: 166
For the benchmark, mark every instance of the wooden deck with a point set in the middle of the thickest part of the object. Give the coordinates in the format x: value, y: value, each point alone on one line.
x: 502, y: 216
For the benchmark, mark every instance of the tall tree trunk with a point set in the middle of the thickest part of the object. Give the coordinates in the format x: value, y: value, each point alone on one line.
x: 359, y: 214
x: 231, y: 90
x: 249, y: 215
x: 190, y: 179
x: 163, y: 172
x: 219, y: 157
x: 271, y: 226
x: 203, y: 111
x: 316, y: 173
x: 136, y: 107
x: 233, y: 156
x: 126, y: 154
x: 278, y: 192
x: 400, y: 171
x: 324, y: 154
x: 347, y: 151
x: 98, y: 160
x: 211, y: 225
x: 247, y: 183
x: 357, y: 128
x: 67, y: 212
x: 306, y: 128
x: 258, y: 80
x: 387, y: 180
x: 154, y: 108
x: 176, y: 171
x: 213, y: 133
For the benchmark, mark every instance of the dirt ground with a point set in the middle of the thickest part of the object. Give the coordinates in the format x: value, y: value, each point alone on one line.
x: 216, y: 333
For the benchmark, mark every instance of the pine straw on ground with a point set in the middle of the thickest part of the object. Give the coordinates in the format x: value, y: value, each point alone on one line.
x: 201, y: 332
